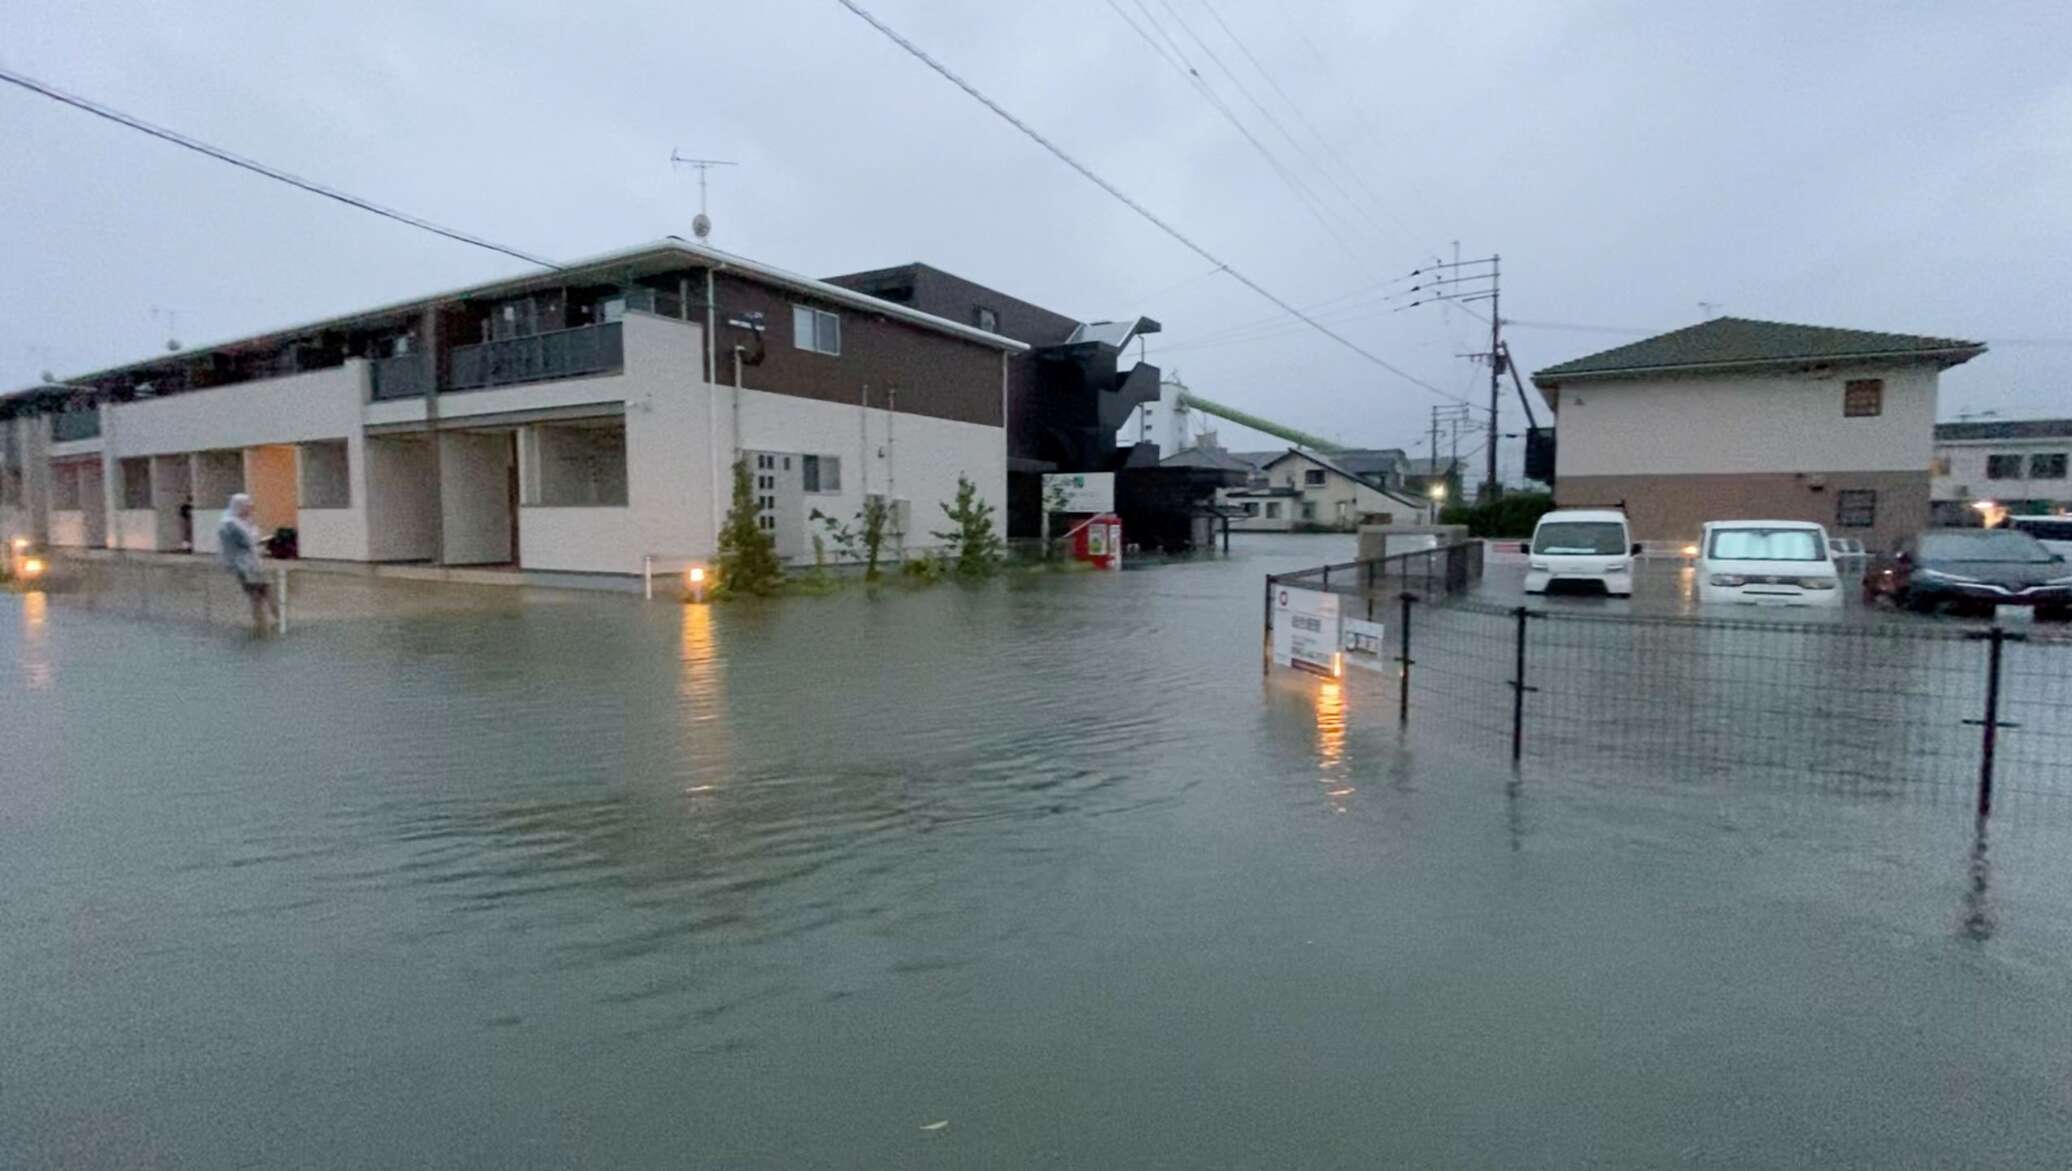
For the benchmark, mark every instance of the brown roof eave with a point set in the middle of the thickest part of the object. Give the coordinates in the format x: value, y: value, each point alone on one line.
x: 1945, y: 358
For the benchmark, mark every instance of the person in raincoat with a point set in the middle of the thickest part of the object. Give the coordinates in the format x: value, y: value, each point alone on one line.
x: 237, y: 544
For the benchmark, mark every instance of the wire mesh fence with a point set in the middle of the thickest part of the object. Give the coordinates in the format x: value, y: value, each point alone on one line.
x: 1944, y: 709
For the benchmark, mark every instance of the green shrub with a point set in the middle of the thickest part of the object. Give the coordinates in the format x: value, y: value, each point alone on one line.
x: 1511, y: 515
x: 971, y: 542
x: 747, y: 553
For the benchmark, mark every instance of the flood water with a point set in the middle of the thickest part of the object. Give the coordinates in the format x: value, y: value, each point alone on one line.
x: 561, y: 879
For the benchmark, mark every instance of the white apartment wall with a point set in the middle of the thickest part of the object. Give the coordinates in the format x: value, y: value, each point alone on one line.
x: 322, y: 404
x: 913, y: 457
x: 1744, y: 423
x: 474, y: 472
x: 134, y: 529
x: 68, y: 529
x: 1966, y: 479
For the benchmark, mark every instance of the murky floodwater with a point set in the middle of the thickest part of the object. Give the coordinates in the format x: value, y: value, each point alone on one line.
x: 575, y: 881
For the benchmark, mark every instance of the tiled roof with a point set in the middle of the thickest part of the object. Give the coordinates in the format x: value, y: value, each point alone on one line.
x: 1731, y: 342
x: 1208, y: 457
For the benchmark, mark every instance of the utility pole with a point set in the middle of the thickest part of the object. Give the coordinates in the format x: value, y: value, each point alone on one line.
x: 1461, y: 282
x: 1491, y: 487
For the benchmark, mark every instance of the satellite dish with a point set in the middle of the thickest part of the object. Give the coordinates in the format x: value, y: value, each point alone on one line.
x: 701, y: 225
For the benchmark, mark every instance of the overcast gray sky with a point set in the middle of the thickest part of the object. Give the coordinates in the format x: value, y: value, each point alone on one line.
x: 1876, y: 165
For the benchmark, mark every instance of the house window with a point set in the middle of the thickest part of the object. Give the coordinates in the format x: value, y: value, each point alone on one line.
x: 985, y: 318
x: 2003, y: 467
x: 577, y: 464
x: 1273, y: 510
x: 1313, y: 477
x: 812, y: 329
x: 1251, y: 508
x: 1863, y: 397
x: 1939, y: 466
x: 822, y: 473
x: 1309, y: 511
x: 2047, y: 465
x: 1856, y: 508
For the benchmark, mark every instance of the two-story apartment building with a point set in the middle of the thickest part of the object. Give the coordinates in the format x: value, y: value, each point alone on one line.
x: 2016, y: 464
x: 580, y: 419
x: 1754, y: 419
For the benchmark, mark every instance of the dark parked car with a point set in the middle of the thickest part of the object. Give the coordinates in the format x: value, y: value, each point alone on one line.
x: 1970, y: 569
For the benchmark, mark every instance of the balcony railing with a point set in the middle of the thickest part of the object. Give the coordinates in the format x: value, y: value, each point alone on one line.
x: 399, y: 376
x: 567, y: 353
x: 66, y: 426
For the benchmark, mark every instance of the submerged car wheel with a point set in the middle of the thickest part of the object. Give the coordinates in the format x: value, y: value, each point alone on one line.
x: 1916, y: 603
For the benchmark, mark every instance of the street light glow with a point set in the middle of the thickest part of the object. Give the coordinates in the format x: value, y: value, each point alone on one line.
x: 33, y: 567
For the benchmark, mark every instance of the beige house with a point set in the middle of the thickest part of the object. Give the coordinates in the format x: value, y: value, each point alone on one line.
x: 1303, y: 490
x: 1734, y: 418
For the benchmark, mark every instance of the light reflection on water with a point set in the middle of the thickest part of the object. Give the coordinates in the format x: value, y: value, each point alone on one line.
x: 598, y: 882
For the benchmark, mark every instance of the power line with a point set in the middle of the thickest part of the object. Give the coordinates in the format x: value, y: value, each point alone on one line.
x: 1304, y: 118
x: 1091, y: 176
x: 1246, y: 93
x: 259, y: 168
x: 1170, y: 52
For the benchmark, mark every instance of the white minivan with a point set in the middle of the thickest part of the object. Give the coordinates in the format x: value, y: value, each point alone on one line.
x: 1581, y: 546
x: 1767, y: 563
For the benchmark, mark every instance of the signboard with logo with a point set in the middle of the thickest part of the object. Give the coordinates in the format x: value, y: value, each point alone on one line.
x: 1363, y: 645
x: 1306, y: 632
x: 1079, y: 491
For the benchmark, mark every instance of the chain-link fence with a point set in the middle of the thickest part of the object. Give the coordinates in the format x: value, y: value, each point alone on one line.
x: 1964, y: 709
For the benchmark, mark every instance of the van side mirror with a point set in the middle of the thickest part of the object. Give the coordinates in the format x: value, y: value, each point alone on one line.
x: 1525, y: 546
x: 1635, y: 551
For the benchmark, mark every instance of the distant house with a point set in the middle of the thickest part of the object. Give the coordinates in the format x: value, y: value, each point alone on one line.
x: 1307, y: 490
x: 2019, y: 464
x: 1420, y: 475
x: 1739, y: 418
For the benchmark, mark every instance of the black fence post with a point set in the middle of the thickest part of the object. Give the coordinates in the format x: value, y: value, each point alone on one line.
x: 1404, y: 660
x: 1518, y: 688
x: 1266, y: 630
x: 1989, y: 725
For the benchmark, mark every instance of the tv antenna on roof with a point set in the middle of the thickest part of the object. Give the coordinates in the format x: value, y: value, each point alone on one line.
x: 701, y: 226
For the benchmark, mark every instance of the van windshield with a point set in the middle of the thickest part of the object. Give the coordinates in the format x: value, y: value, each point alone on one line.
x: 1766, y: 545
x: 1589, y: 537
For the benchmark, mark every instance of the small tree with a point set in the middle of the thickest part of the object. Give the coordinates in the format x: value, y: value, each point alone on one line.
x: 747, y: 554
x: 865, y: 538
x: 974, y: 546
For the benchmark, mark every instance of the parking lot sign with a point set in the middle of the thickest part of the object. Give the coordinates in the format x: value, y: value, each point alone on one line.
x: 1306, y: 632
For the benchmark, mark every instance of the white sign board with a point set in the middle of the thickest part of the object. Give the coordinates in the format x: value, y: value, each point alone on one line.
x: 1079, y: 491
x: 1363, y: 645
x: 1305, y: 630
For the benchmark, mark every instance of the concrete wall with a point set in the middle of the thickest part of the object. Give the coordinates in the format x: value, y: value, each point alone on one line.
x: 474, y: 474
x: 322, y: 404
x: 402, y: 517
x: 1751, y: 423
x: 270, y: 481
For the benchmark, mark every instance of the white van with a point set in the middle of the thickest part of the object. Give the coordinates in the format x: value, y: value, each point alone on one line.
x: 1581, y: 546
x: 1767, y: 563
x: 2054, y: 531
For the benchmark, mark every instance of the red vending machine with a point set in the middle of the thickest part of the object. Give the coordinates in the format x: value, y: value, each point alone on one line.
x: 1098, y: 541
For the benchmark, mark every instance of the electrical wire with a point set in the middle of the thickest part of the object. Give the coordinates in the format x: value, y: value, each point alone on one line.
x: 218, y: 153
x: 1117, y: 193
x: 1330, y: 151
x: 1172, y: 54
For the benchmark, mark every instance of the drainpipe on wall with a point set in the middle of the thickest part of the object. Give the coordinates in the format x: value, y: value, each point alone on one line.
x: 892, y: 458
x: 712, y: 392
x: 863, y: 438
x: 430, y: 330
x: 737, y: 402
